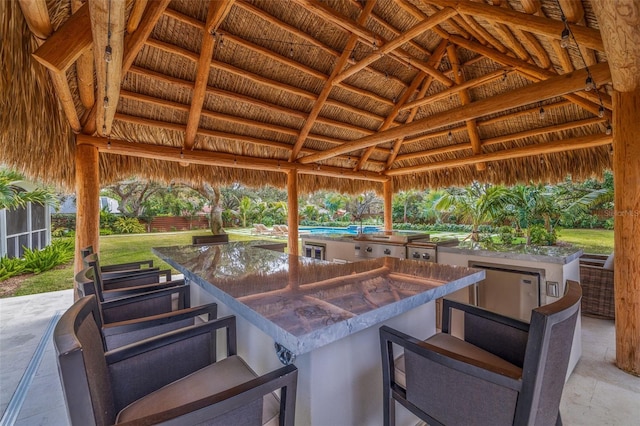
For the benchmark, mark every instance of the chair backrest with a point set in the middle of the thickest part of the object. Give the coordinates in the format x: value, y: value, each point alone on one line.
x: 91, y: 273
x: 82, y: 366
x: 547, y: 358
x: 86, y: 251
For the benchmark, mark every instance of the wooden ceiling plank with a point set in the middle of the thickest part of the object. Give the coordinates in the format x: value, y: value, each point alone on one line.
x: 217, y: 12
x: 328, y: 86
x: 553, y: 87
x: 136, y: 15
x: 222, y: 159
x: 392, y: 45
x: 84, y: 69
x: 108, y: 28
x: 36, y: 14
x: 584, y: 142
x: 135, y: 41
x: 551, y: 28
x: 64, y: 46
x: 465, y: 99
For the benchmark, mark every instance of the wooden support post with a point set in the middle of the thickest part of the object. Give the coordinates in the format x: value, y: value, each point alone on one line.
x: 292, y: 206
x: 87, y: 202
x: 619, y: 26
x: 387, y: 195
x: 626, y: 178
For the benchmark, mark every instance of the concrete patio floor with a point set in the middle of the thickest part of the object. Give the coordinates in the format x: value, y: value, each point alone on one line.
x: 597, y: 393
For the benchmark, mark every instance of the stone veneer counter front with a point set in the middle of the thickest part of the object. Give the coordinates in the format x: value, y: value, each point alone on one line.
x: 303, y: 303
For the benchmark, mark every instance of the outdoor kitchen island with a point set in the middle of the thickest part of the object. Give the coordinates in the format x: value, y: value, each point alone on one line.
x: 323, y: 317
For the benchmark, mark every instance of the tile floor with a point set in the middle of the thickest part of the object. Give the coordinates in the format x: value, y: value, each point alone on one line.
x: 597, y: 393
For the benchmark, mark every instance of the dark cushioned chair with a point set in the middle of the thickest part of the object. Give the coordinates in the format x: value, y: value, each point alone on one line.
x: 127, y: 277
x: 504, y: 371
x: 596, y: 279
x: 174, y: 378
x: 133, y: 302
x: 120, y: 269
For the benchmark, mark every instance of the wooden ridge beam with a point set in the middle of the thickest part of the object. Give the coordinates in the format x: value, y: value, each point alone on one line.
x: 550, y: 28
x: 328, y: 86
x: 217, y: 11
x: 536, y: 92
x: 583, y: 142
x: 108, y: 28
x: 221, y: 159
x: 390, y: 46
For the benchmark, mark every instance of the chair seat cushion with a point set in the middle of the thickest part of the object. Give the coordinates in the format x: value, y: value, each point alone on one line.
x: 458, y: 346
x: 210, y: 380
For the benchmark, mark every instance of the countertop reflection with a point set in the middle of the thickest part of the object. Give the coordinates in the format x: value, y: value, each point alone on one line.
x: 305, y: 303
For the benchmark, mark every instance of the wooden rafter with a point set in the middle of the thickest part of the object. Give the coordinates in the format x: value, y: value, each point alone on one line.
x: 369, y: 36
x: 136, y: 15
x: 530, y: 41
x: 502, y: 139
x: 218, y: 10
x: 390, y: 46
x: 223, y: 159
x: 37, y: 16
x: 572, y: 144
x: 328, y: 86
x: 556, y: 86
x: 574, y: 12
x: 437, y: 56
x: 465, y: 99
x: 535, y: 24
x: 84, y: 70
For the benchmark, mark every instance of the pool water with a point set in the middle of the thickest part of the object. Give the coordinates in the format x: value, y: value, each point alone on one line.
x: 351, y: 229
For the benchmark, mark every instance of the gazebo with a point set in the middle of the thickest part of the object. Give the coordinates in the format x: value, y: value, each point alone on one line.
x: 342, y: 94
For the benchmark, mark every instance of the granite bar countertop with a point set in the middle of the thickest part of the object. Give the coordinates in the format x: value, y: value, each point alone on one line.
x: 304, y: 303
x: 548, y: 254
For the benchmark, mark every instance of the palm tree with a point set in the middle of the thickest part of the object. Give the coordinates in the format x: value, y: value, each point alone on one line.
x: 13, y: 196
x: 476, y: 204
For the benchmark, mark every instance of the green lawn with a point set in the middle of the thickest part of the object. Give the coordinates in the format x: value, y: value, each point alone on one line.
x: 589, y: 240
x: 128, y: 248
x: 116, y: 249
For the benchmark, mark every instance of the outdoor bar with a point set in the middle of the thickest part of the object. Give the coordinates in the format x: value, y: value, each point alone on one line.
x: 349, y: 96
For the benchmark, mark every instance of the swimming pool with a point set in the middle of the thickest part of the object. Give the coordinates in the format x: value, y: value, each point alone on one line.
x: 351, y: 229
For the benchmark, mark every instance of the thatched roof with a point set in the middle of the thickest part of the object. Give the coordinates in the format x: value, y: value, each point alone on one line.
x: 424, y: 92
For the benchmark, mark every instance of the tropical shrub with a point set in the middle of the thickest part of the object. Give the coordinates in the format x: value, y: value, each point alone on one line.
x: 505, y: 235
x: 538, y: 235
x: 58, y: 253
x: 10, y: 267
x: 128, y: 225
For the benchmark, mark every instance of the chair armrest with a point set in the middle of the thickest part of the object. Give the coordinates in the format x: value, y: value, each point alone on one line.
x: 127, y: 266
x: 126, y: 332
x: 460, y: 363
x: 503, y: 336
x: 125, y: 272
x: 284, y: 378
x: 145, y: 304
x: 132, y: 280
x: 130, y: 291
x: 143, y: 367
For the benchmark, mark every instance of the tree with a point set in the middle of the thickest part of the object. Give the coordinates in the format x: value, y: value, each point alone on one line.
x: 245, y: 206
x: 362, y: 204
x: 13, y: 196
x: 212, y: 194
x: 477, y: 204
x: 406, y: 202
x: 133, y: 195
